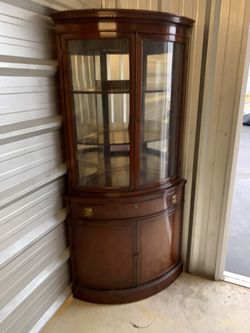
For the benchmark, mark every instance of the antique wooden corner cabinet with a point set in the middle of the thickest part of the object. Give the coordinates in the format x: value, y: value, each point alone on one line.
x: 122, y: 82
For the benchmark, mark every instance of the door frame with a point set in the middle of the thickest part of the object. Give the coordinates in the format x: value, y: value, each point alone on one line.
x: 220, y: 118
x: 220, y: 273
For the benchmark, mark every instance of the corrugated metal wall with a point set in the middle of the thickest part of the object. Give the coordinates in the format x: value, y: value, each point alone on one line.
x: 34, y: 277
x: 227, y: 44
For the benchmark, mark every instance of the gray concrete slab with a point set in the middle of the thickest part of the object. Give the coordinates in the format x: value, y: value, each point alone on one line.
x: 189, y: 305
x: 238, y: 253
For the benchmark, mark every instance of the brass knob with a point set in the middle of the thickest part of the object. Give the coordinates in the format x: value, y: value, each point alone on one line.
x: 174, y: 199
x: 87, y: 212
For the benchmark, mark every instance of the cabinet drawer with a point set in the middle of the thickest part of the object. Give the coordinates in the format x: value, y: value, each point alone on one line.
x: 118, y: 208
x: 111, y: 210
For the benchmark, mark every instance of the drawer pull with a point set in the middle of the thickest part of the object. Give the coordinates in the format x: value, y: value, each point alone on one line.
x: 87, y: 212
x: 174, y: 199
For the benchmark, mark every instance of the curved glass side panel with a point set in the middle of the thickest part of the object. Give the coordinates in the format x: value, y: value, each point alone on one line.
x: 101, y: 98
x: 158, y: 126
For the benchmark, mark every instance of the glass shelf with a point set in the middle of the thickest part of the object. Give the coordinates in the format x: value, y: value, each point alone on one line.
x: 92, y: 169
x: 115, y: 87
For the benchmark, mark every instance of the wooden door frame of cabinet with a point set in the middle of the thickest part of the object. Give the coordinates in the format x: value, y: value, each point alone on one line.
x: 135, y: 48
x: 69, y: 130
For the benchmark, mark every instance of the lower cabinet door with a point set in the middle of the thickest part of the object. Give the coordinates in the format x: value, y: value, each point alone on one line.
x: 102, y: 254
x: 159, y: 244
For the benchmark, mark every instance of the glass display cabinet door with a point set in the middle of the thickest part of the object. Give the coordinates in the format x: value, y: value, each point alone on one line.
x: 101, y: 107
x: 161, y: 63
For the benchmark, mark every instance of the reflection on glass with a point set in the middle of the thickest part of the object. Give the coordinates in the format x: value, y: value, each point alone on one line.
x: 98, y: 65
x: 90, y: 165
x: 118, y: 67
x: 159, y: 70
x: 86, y: 72
x: 118, y: 118
x: 88, y: 118
x: 100, y: 84
x: 156, y: 116
x: 157, y: 85
x: 120, y: 166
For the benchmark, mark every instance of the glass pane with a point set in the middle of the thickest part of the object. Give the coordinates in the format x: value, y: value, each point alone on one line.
x: 159, y: 70
x: 154, y: 146
x: 86, y: 72
x: 90, y: 165
x: 100, y: 82
x: 120, y: 165
x: 88, y: 118
x: 119, y: 118
x: 98, y: 65
x: 158, y: 104
x: 118, y: 67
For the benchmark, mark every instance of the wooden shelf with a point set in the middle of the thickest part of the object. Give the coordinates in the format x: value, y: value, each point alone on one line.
x: 107, y: 91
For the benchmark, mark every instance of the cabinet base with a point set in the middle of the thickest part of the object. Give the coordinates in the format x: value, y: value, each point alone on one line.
x: 130, y: 294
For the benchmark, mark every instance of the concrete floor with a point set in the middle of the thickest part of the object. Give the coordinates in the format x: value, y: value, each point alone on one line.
x: 238, y: 258
x: 190, y: 305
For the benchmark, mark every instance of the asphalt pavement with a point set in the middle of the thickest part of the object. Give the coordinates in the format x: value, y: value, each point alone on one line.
x: 238, y: 253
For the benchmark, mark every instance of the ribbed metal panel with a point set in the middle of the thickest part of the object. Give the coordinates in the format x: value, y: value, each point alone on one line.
x: 34, y: 275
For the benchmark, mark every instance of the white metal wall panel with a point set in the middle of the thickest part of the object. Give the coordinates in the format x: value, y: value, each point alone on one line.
x: 68, y: 5
x: 27, y: 98
x: 25, y: 34
x: 229, y: 28
x: 21, y: 310
x: 17, y: 280
x: 34, y: 277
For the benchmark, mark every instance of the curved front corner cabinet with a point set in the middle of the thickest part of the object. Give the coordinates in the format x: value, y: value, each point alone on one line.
x: 122, y: 81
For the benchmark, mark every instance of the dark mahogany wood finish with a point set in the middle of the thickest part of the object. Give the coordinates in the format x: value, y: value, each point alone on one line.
x: 125, y: 240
